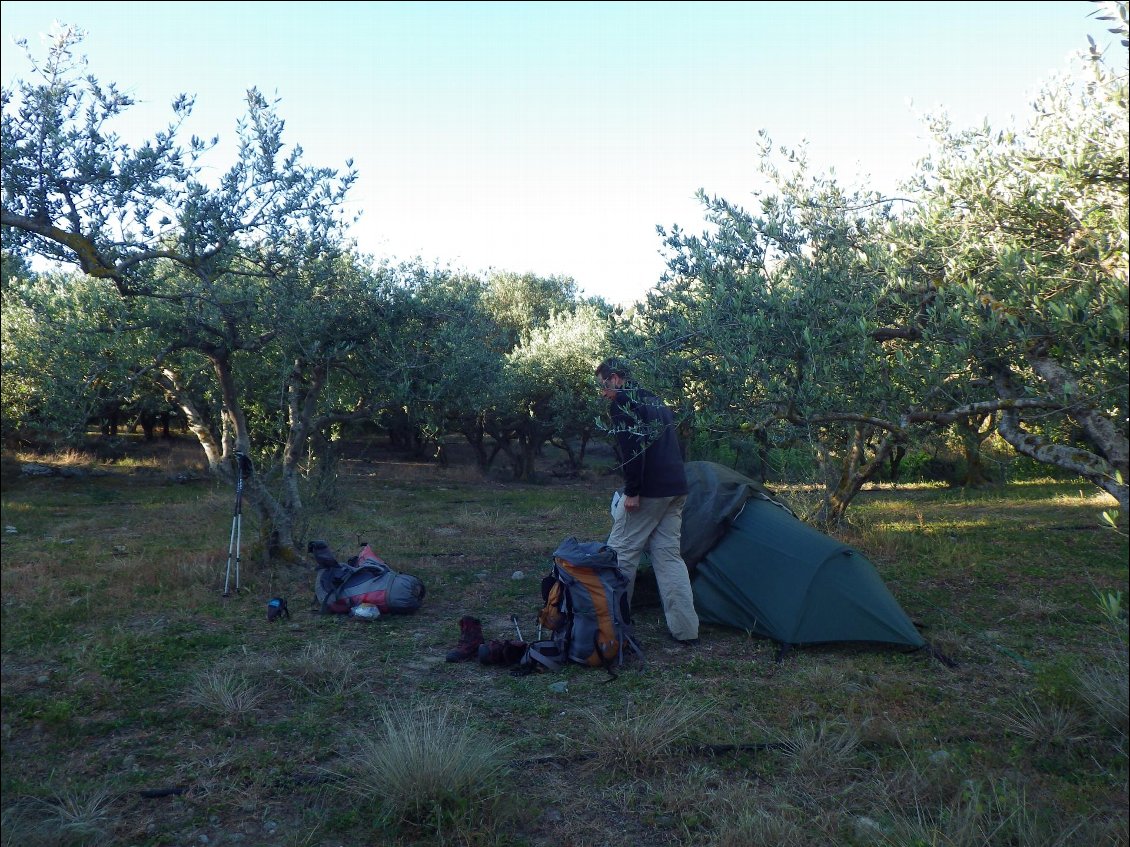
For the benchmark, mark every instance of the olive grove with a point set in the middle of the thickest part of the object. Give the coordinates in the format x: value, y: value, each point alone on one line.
x: 241, y: 301
x: 991, y: 299
x: 860, y: 325
x: 239, y: 287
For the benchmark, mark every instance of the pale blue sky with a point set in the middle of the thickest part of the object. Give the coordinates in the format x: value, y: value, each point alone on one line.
x: 554, y: 137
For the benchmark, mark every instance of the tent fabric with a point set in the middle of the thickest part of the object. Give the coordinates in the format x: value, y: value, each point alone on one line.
x: 767, y: 572
x: 717, y: 494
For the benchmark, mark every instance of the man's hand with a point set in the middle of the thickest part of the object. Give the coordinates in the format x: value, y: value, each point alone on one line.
x: 632, y: 504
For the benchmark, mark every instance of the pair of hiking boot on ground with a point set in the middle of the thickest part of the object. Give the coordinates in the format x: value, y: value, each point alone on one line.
x: 472, y: 646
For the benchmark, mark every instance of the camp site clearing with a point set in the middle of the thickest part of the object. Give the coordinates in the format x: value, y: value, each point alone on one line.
x: 141, y: 707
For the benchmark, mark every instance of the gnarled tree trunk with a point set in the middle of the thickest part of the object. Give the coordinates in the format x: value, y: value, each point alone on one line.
x: 1097, y: 469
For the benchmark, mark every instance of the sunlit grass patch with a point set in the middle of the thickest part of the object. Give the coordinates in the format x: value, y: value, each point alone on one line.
x: 1093, y: 499
x: 950, y: 529
x: 67, y: 457
x: 125, y: 452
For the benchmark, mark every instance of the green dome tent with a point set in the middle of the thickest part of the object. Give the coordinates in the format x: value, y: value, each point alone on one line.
x: 757, y: 567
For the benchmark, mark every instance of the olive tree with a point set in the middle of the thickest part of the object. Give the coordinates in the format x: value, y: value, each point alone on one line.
x: 1001, y: 292
x: 553, y: 397
x: 70, y: 345
x: 520, y: 303
x: 446, y: 362
x: 771, y: 323
x: 1023, y: 235
x: 219, y: 272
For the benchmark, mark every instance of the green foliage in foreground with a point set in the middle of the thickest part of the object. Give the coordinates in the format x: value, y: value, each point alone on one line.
x: 142, y: 708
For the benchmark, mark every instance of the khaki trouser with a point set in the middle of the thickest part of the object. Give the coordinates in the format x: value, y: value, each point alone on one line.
x: 656, y: 527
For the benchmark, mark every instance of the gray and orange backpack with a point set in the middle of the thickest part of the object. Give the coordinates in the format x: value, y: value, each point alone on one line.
x: 585, y: 610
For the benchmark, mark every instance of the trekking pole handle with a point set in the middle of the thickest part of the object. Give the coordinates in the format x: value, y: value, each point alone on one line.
x: 243, y: 470
x: 243, y: 464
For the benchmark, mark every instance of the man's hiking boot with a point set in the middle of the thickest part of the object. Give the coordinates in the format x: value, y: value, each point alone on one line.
x: 496, y: 652
x: 470, y: 639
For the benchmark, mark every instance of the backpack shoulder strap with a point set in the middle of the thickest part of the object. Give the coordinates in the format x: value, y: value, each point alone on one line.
x: 630, y: 640
x: 540, y: 655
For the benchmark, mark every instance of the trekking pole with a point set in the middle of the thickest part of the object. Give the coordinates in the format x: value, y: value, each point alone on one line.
x: 517, y: 629
x: 243, y: 468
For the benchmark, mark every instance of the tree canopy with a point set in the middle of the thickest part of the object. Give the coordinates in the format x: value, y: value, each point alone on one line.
x: 1001, y: 290
x: 828, y: 319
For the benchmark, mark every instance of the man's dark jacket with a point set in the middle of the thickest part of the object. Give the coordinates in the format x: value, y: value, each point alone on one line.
x: 648, y: 444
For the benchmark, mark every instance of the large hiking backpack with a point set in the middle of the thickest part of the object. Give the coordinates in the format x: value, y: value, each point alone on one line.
x: 585, y: 610
x: 365, y: 578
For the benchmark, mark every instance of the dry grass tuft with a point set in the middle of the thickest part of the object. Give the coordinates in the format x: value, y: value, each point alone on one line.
x: 200, y: 571
x: 982, y: 814
x: 479, y: 519
x: 802, y: 500
x: 640, y: 741
x: 322, y: 669
x: 840, y: 677
x: 747, y: 813
x: 68, y: 458
x: 825, y: 749
x: 1105, y: 684
x: 781, y: 825
x: 924, y: 778
x: 68, y: 818
x: 427, y: 766
x: 1043, y: 726
x: 226, y: 693
x: 211, y: 773
x: 1106, y: 688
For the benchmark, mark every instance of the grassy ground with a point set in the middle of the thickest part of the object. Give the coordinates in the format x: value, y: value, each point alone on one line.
x: 140, y: 707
